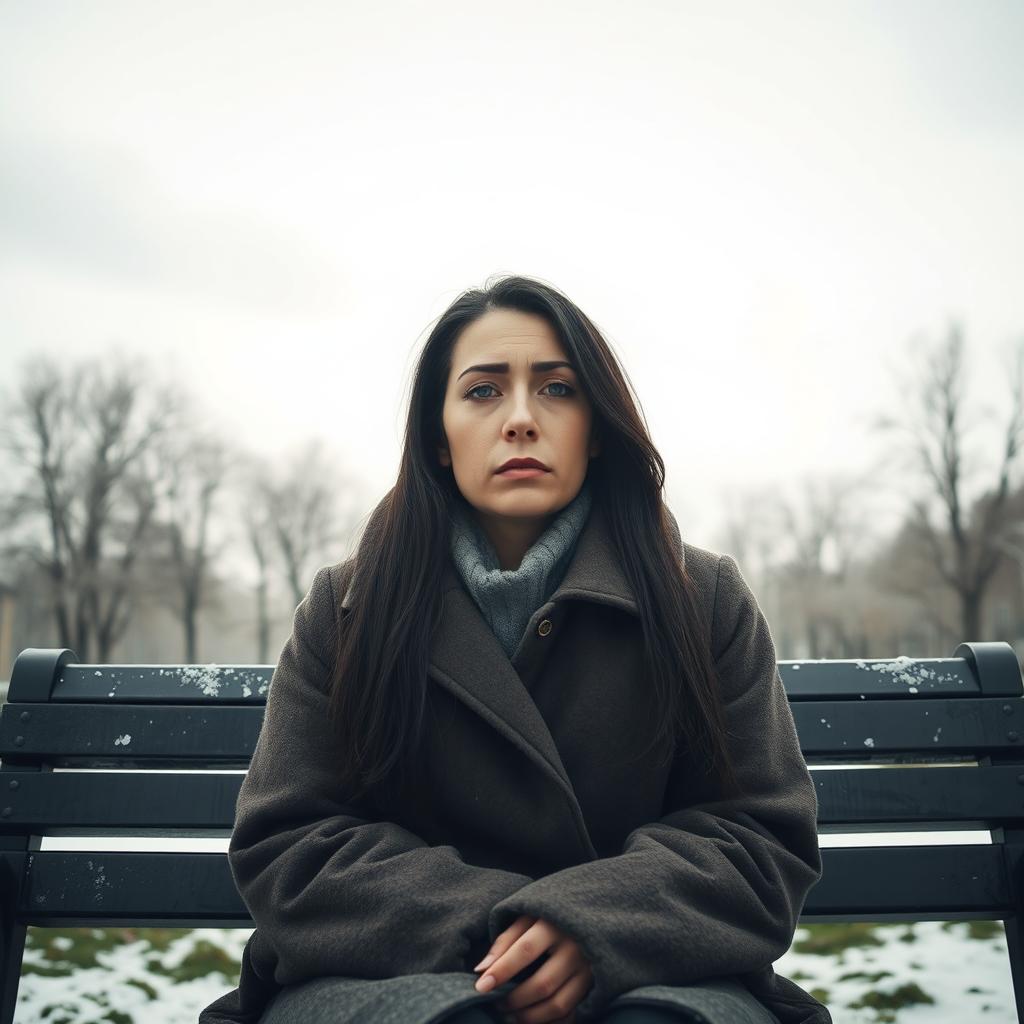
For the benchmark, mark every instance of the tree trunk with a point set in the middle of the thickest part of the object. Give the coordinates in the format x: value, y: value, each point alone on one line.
x: 262, y: 620
x: 191, y: 644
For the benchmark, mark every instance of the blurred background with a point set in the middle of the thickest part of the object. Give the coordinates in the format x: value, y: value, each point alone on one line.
x: 226, y: 229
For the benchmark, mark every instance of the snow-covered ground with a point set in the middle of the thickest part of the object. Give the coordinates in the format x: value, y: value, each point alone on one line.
x: 968, y: 978
x: 128, y: 986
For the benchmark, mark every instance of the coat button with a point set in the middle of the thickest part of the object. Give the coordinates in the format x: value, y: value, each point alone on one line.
x: 544, y: 627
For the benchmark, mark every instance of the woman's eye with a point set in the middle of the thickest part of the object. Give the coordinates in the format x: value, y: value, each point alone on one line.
x: 569, y: 389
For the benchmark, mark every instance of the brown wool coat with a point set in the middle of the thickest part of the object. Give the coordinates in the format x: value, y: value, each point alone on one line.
x: 543, y: 810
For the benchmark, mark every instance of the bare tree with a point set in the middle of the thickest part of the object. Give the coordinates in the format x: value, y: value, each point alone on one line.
x: 966, y: 547
x: 78, y: 436
x: 904, y: 568
x: 303, y: 509
x: 295, y: 513
x: 191, y: 464
x: 258, y: 529
x: 807, y: 538
x: 752, y: 530
x: 827, y: 526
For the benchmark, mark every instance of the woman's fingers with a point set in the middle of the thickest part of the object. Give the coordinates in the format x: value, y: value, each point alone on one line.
x: 558, y: 998
x: 505, y: 939
x: 524, y: 949
x: 562, y: 964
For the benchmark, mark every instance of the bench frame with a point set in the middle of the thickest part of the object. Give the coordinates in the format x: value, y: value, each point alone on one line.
x: 965, y: 713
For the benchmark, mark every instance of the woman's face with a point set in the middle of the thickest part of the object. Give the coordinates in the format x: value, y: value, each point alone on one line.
x: 515, y: 411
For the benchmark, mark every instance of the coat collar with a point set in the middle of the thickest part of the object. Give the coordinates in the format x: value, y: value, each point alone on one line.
x: 593, y: 574
x: 468, y: 660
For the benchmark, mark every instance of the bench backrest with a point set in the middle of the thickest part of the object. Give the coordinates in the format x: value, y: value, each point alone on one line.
x: 907, y: 714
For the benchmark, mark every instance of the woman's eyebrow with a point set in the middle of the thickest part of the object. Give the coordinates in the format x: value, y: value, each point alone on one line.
x: 549, y: 364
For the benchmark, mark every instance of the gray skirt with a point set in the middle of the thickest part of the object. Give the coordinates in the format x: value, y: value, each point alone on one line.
x: 431, y: 998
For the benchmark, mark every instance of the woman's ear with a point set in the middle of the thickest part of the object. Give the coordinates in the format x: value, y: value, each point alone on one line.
x: 444, y: 456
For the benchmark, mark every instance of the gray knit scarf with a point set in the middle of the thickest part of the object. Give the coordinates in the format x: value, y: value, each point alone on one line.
x: 508, y: 597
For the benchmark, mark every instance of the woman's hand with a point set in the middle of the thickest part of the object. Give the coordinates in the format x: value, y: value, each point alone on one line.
x: 553, y: 991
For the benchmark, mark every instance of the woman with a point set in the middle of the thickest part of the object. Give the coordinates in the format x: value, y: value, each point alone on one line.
x: 526, y: 755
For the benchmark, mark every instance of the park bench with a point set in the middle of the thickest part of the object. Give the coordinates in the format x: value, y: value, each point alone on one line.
x: 966, y: 711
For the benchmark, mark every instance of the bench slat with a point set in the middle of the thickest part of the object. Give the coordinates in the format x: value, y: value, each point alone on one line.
x: 989, y: 668
x: 81, y: 889
x: 129, y: 736
x: 932, y: 725
x: 65, y: 889
x: 990, y: 794
x: 116, y: 803
x: 128, y: 803
x: 936, y: 879
x: 879, y: 677
x: 47, y: 675
x: 155, y: 735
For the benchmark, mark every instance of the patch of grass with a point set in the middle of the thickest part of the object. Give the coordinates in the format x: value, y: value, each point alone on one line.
x: 46, y: 970
x: 66, y: 950
x: 151, y: 993
x: 200, y: 961
x: 909, y: 994
x: 977, y: 929
x: 159, y: 939
x: 82, y: 946
x: 57, y: 1008
x: 113, y: 1016
x: 832, y: 939
x: 877, y: 976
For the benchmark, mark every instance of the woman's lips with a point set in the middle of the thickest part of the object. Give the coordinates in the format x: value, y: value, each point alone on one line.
x: 522, y: 472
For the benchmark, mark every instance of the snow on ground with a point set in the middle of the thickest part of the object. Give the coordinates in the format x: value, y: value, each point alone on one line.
x: 126, y: 984
x: 969, y: 978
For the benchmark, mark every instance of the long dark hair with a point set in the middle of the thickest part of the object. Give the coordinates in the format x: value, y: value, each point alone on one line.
x: 379, y: 690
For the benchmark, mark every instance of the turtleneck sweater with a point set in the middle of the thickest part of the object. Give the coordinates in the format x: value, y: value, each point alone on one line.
x: 508, y: 597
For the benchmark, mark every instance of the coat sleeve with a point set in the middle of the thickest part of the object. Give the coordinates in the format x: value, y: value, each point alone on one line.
x: 331, y: 891
x: 715, y: 886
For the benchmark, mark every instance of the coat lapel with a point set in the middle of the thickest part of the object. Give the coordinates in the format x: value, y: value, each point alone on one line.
x: 468, y: 660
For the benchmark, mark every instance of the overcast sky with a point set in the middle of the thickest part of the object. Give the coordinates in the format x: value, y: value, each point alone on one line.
x: 761, y: 204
